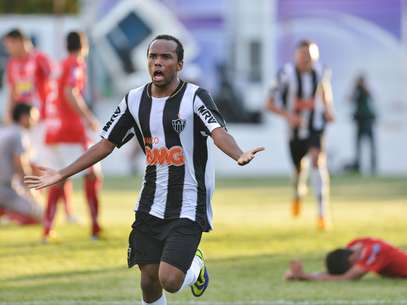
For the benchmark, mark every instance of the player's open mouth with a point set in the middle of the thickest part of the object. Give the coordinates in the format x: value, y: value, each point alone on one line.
x: 158, y: 75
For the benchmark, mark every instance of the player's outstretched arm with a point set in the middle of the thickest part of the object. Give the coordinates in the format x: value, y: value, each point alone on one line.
x: 76, y: 100
x: 226, y: 143
x: 49, y: 177
x: 296, y: 272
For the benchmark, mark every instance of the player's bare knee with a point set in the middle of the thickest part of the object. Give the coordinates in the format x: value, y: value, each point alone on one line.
x: 170, y: 283
x: 149, y: 284
x: 149, y: 281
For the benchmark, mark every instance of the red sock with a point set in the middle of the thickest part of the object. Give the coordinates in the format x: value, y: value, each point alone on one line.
x: 92, y: 187
x: 66, y: 196
x: 54, y: 193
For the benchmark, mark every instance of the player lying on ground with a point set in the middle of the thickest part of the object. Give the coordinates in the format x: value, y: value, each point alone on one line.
x: 172, y: 120
x: 360, y: 256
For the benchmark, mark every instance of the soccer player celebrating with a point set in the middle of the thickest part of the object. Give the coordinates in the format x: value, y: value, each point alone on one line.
x: 172, y: 121
x: 66, y: 136
x: 302, y: 95
x: 360, y: 256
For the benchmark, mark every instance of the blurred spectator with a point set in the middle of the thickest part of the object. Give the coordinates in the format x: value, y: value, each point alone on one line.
x: 364, y: 117
x: 302, y: 95
x: 16, y: 201
x: 66, y: 133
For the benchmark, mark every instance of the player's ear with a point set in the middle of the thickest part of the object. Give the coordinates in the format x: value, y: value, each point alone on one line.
x: 180, y: 64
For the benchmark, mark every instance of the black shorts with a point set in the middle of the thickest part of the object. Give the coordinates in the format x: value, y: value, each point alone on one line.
x: 153, y: 240
x: 299, y: 147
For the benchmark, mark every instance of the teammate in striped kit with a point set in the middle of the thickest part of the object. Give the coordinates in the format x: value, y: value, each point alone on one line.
x: 172, y: 121
x: 302, y: 95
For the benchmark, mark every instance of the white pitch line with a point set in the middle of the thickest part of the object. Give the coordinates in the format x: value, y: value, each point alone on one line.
x: 253, y: 302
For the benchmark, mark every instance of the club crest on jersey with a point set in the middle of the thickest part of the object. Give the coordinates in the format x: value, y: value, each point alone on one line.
x: 179, y: 125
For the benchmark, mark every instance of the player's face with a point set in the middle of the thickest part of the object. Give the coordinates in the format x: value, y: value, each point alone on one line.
x: 303, y: 57
x: 163, y: 64
x: 13, y: 46
x: 306, y: 56
x: 27, y: 121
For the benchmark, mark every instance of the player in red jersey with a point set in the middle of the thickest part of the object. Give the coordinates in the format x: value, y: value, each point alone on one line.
x: 66, y: 136
x: 360, y: 256
x: 28, y: 73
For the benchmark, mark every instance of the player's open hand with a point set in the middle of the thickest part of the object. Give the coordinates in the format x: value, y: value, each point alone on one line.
x: 248, y: 156
x: 295, y: 271
x: 46, y: 178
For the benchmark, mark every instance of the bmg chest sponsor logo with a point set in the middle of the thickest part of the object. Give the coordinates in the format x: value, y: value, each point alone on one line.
x: 165, y: 156
x: 207, y: 115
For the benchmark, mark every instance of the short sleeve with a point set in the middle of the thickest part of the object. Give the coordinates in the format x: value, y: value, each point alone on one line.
x: 121, y: 126
x: 205, y: 108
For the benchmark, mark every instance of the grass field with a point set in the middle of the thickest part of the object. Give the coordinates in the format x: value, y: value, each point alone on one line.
x: 247, y: 253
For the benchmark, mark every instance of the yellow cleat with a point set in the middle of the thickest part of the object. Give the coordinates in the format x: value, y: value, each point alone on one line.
x: 199, y: 287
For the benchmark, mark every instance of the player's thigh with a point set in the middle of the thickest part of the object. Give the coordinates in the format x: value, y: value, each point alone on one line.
x: 144, y: 248
x: 38, y: 148
x: 63, y: 154
x: 55, y: 156
x: 298, y: 150
x: 181, y: 244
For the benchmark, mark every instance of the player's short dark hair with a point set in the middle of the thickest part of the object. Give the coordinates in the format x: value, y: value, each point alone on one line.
x: 304, y: 43
x: 74, y: 41
x: 15, y: 34
x: 19, y: 110
x: 179, y: 50
x: 337, y: 261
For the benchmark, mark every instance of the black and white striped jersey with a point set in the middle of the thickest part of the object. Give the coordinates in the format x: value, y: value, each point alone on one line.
x: 173, y: 133
x: 300, y: 93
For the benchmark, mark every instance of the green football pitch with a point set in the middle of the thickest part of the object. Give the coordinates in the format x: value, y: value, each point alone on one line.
x: 247, y: 253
